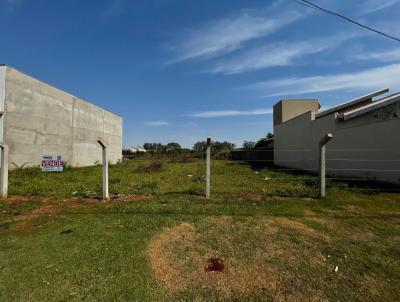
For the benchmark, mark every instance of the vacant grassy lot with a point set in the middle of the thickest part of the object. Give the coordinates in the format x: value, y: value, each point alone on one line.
x: 152, y: 241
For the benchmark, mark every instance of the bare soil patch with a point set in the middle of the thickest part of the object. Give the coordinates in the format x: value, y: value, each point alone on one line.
x: 45, y: 210
x: 260, y: 197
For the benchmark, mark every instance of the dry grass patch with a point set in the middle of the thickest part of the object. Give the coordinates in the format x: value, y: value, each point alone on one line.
x: 312, y: 216
x: 268, y: 267
x: 302, y: 229
x: 166, y: 265
x: 352, y: 233
x: 374, y: 288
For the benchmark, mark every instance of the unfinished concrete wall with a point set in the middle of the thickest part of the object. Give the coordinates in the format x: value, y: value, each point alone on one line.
x: 43, y: 120
x: 365, y: 147
x: 285, y: 110
x: 2, y: 98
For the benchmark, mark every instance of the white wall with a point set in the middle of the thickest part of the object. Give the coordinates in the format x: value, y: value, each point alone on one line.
x: 363, y: 147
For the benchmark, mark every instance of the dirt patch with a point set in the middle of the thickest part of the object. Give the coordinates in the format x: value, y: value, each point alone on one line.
x: 179, y: 255
x: 48, y: 210
x: 113, y: 199
x: 260, y: 197
x: 17, y: 199
x: 302, y: 229
x: 50, y: 206
x: 130, y: 198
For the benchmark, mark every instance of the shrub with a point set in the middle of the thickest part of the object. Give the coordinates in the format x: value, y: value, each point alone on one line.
x: 224, y: 155
x: 182, y: 158
x: 154, y: 166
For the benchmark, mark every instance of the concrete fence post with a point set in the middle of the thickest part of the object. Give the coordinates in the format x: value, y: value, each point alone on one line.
x: 322, y: 166
x: 208, y: 167
x: 106, y: 195
x: 4, y: 171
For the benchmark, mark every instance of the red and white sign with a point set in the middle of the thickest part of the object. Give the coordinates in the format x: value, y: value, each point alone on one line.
x: 52, y: 163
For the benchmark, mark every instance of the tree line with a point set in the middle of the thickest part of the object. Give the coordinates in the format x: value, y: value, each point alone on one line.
x: 201, y: 146
x: 262, y: 142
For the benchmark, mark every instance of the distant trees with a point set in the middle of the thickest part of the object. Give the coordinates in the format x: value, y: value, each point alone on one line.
x: 219, y: 150
x: 200, y: 146
x: 222, y: 146
x: 216, y: 146
x: 264, y: 142
x: 248, y: 145
x: 158, y: 147
x: 173, y: 147
x: 154, y: 147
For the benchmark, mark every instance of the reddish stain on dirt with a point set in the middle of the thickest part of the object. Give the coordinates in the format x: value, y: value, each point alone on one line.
x: 214, y: 264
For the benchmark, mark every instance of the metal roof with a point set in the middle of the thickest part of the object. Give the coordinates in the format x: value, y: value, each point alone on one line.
x: 373, y: 106
x: 351, y: 103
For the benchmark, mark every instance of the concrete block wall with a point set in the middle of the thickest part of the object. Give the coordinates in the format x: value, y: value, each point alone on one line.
x: 42, y: 120
x: 365, y: 147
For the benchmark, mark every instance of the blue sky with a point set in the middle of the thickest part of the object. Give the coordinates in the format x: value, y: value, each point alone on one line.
x: 179, y: 70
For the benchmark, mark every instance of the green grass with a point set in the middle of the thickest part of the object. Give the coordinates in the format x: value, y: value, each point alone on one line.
x: 227, y: 178
x: 277, y: 240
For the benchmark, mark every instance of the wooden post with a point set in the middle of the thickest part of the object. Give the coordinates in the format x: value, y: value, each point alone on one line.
x: 208, y: 167
x: 106, y: 195
x: 322, y: 167
x: 4, y: 171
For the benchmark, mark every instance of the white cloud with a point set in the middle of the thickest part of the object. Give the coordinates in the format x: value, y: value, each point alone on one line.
x: 281, y: 54
x: 392, y: 55
x: 225, y: 113
x: 374, y: 78
x: 156, y: 123
x: 228, y: 34
x: 371, y: 6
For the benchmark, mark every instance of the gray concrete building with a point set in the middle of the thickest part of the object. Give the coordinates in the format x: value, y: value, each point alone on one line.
x: 365, y: 140
x: 38, y: 119
x: 285, y: 110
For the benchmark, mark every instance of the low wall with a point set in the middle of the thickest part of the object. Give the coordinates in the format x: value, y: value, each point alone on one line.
x: 262, y: 156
